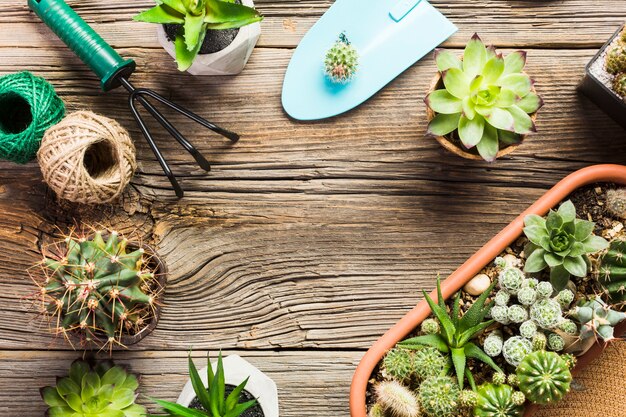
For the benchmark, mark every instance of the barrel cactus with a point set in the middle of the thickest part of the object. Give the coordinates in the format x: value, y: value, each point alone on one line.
x: 616, y: 199
x: 497, y: 401
x: 101, y: 390
x: 544, y: 377
x: 439, y: 396
x: 397, y: 399
x: 98, y: 289
x: 616, y: 59
x: 612, y: 271
x: 428, y: 362
x: 430, y: 326
x: 342, y: 61
x: 398, y: 363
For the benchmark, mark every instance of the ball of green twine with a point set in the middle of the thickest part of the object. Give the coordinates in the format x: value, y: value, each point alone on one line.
x: 28, y: 106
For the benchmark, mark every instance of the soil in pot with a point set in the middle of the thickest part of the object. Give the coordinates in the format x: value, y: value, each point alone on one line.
x: 590, y: 203
x: 214, y: 41
x: 255, y: 411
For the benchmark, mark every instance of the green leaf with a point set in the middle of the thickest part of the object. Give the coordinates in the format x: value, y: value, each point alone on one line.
x: 488, y: 146
x: 471, y: 131
x: 575, y: 266
x: 458, y: 359
x: 468, y: 108
x: 470, y: 379
x: 553, y: 259
x: 594, y: 244
x: 89, y: 385
x: 442, y: 316
x: 456, y: 82
x: 474, y: 331
x: 198, y: 385
x: 455, y: 310
x: 224, y: 15
x: 577, y: 249
x: 177, y: 409
x: 220, y: 382
x: 535, y: 261
x: 233, y: 397
x: 433, y: 340
x: 123, y: 398
x: 477, y: 312
x: 522, y: 122
x: 74, y: 401
x: 194, y: 25
x: 567, y: 211
x: 160, y: 14
x: 519, y: 83
x: 135, y: 410
x: 441, y: 101
x: 474, y: 57
x: 530, y: 103
x: 583, y: 228
x: 114, y: 376
x: 176, y: 5
x: 240, y: 408
x: 185, y: 57
x: 506, y: 98
x: 51, y: 397
x: 60, y: 412
x: 493, y: 69
x: 446, y: 60
x: 514, y: 62
x: 554, y: 221
x: 535, y: 220
x: 508, y: 138
x: 476, y: 83
x: 559, y: 277
x: 473, y: 351
x: 500, y: 119
x: 442, y: 124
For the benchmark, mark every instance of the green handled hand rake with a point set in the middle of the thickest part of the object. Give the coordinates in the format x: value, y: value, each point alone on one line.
x: 114, y: 71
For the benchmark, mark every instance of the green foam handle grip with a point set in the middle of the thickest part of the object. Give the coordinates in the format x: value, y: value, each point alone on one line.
x: 84, y: 41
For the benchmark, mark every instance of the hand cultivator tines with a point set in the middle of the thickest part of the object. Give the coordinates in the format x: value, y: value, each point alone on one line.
x: 113, y: 72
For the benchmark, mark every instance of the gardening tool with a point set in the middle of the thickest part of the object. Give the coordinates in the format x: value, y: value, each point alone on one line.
x: 389, y: 36
x: 114, y: 71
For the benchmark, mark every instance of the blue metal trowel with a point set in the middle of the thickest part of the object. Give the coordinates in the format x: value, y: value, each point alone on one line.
x: 389, y: 36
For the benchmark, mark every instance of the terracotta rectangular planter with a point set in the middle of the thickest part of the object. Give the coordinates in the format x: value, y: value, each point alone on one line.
x: 589, y: 175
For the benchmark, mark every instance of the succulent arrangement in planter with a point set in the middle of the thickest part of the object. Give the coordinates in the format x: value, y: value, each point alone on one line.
x: 605, y: 77
x: 481, y: 105
x: 503, y: 345
x: 99, y: 290
x: 206, y: 37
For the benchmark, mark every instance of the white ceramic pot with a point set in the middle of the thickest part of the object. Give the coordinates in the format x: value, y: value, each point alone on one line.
x: 230, y: 60
x: 236, y: 370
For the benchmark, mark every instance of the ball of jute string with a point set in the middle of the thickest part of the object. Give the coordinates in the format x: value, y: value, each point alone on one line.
x: 28, y: 106
x: 87, y: 158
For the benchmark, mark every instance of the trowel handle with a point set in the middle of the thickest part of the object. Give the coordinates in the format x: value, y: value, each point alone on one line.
x: 83, y: 40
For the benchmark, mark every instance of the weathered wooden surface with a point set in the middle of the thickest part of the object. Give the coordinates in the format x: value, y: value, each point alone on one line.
x: 307, y: 240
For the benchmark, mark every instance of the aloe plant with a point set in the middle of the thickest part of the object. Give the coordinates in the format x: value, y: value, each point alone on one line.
x: 486, y: 98
x: 457, y: 332
x: 195, y: 17
x: 213, y: 398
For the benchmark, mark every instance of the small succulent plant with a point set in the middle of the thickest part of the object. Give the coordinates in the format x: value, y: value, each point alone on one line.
x: 556, y: 342
x: 98, y: 391
x: 397, y: 399
x: 616, y: 59
x: 616, y: 199
x: 439, y: 396
x: 528, y: 329
x: 457, y: 332
x: 428, y: 362
x: 527, y: 296
x: 498, y: 378
x: 500, y: 313
x: 376, y: 410
x: 619, y: 84
x: 544, y: 377
x: 561, y: 243
x: 546, y: 313
x: 493, y: 343
x: 468, y: 398
x: 430, y: 326
x: 212, y: 397
x: 486, y: 98
x: 342, y: 61
x: 517, y: 314
x: 515, y: 348
x: 502, y: 298
x: 510, y: 279
x: 612, y: 271
x: 195, y: 17
x: 597, y: 320
x: 565, y: 298
x: 497, y: 400
x: 398, y: 363
x: 539, y: 341
x: 97, y: 289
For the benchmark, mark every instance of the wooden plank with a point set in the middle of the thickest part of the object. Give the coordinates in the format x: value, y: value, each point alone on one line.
x: 580, y: 23
x: 316, y: 383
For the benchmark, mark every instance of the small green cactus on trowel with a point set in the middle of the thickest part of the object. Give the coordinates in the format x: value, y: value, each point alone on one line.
x: 341, y: 61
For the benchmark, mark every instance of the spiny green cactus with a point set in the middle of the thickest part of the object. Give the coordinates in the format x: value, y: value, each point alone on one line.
x: 616, y: 199
x: 527, y: 296
x: 430, y: 326
x: 612, y: 271
x: 512, y: 380
x: 511, y: 279
x: 544, y: 377
x: 544, y: 290
x: 616, y: 59
x: 502, y: 298
x: 376, y: 410
x: 528, y: 329
x: 539, y: 341
x: 428, y: 362
x: 439, y: 396
x: 517, y: 314
x: 497, y: 401
x: 397, y: 399
x: 468, y: 399
x: 515, y: 349
x: 518, y: 398
x: 98, y: 289
x: 102, y: 390
x: 398, y: 363
x: 546, y: 313
x: 556, y: 342
x: 342, y: 61
x: 597, y: 319
x: 568, y: 327
x: 569, y: 359
x: 565, y: 298
x: 500, y: 313
x: 561, y: 243
x: 498, y: 378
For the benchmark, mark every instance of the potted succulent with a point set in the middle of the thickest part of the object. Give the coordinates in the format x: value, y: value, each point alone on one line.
x: 230, y: 387
x: 482, y: 104
x: 94, y: 390
x: 605, y: 77
x: 206, y: 37
x: 100, y: 290
x: 509, y: 343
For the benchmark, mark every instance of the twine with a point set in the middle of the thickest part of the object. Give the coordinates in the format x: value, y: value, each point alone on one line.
x: 87, y: 158
x: 28, y: 106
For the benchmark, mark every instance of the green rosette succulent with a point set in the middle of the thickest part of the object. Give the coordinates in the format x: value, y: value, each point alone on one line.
x: 486, y: 98
x: 195, y: 17
x: 104, y: 390
x: 560, y: 242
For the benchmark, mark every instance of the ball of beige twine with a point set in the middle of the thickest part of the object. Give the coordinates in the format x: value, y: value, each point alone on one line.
x: 87, y: 158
